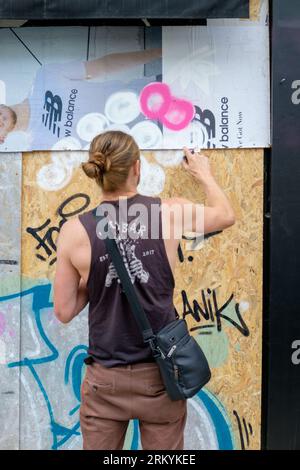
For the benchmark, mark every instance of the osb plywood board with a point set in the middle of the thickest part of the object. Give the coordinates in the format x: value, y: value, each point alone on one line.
x: 255, y: 9
x: 220, y: 289
x: 218, y: 285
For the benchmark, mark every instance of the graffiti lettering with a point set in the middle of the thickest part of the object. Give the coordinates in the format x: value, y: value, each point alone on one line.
x: 212, y: 313
x: 46, y: 240
x: 244, y: 431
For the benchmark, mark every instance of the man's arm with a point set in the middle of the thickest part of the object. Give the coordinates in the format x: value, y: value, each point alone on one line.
x: 112, y: 63
x: 218, y: 213
x: 102, y: 66
x: 70, y: 291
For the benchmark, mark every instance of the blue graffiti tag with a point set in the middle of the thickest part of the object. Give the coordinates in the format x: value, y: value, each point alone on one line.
x: 40, y: 300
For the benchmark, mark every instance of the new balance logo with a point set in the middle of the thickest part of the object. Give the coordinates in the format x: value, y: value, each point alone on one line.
x: 53, y: 112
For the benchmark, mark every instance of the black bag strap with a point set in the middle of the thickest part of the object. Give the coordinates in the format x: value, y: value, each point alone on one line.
x: 129, y: 290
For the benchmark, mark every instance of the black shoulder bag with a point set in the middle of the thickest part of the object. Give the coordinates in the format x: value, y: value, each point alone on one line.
x: 182, y: 363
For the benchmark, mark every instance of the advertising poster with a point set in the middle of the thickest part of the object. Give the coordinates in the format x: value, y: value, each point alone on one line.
x: 205, y: 86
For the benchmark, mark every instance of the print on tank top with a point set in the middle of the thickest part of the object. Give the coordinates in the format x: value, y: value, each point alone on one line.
x: 134, y: 265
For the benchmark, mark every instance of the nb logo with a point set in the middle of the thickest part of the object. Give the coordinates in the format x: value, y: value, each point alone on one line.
x: 53, y: 112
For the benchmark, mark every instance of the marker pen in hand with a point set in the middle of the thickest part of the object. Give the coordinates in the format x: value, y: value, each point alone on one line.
x: 197, y: 150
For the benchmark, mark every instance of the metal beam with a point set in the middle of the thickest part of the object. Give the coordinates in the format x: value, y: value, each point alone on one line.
x: 89, y: 9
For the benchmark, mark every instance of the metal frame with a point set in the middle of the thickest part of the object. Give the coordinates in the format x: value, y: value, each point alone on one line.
x: 281, y: 410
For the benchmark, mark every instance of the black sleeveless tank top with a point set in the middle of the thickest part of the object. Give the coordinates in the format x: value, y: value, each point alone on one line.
x: 114, y: 336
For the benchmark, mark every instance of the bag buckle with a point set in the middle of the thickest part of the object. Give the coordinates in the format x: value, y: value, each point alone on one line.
x: 157, y: 352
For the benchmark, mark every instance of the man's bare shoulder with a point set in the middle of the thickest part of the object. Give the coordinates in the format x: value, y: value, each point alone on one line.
x: 72, y: 232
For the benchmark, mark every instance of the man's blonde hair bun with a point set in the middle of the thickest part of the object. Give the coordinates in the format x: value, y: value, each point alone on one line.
x: 111, y: 155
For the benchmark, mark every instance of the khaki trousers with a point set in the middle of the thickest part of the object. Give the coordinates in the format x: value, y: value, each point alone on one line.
x: 110, y: 397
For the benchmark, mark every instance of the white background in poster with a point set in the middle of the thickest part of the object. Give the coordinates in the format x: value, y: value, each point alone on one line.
x: 227, y: 58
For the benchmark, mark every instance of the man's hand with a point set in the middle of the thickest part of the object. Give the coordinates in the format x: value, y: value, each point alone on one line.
x: 197, y: 164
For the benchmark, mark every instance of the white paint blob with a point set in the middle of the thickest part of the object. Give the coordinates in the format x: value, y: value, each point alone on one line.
x: 122, y: 107
x: 200, y: 432
x: 69, y: 159
x: 244, y: 306
x: 91, y: 125
x: 67, y: 143
x: 194, y: 135
x: 147, y: 135
x: 152, y: 178
x: 119, y: 127
x: 53, y: 176
x: 57, y: 174
x: 169, y: 157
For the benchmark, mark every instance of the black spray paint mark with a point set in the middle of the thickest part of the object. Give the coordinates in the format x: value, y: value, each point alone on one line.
x: 211, y: 312
x: 45, y: 240
x: 195, y: 241
x: 245, y: 430
x: 181, y: 255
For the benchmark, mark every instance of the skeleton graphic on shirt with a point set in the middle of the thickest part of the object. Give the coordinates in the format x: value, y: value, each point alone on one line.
x: 132, y: 263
